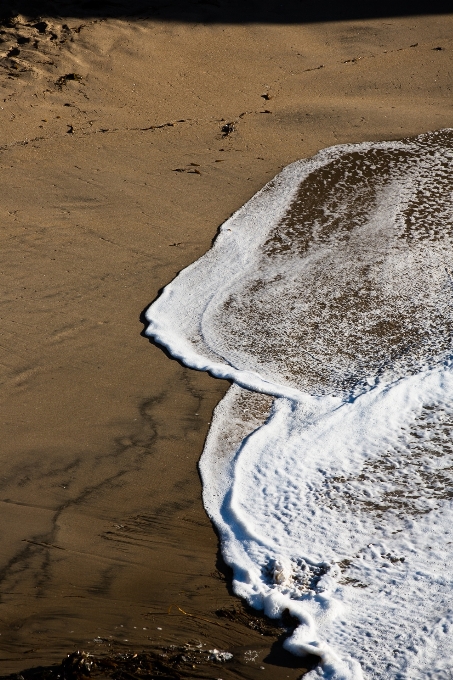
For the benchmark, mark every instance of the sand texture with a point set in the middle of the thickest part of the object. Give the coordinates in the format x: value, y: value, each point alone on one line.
x: 124, y: 144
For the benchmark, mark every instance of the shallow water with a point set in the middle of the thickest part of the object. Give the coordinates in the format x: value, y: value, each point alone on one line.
x: 331, y: 292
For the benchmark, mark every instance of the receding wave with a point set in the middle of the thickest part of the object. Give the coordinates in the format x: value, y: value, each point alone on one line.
x: 328, y: 470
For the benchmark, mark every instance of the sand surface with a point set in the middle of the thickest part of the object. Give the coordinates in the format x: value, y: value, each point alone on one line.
x: 115, y: 174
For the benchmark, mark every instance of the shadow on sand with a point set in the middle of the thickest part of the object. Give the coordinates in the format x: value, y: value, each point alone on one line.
x: 225, y: 11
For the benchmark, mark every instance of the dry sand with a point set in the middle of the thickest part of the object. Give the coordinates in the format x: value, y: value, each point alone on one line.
x: 113, y: 179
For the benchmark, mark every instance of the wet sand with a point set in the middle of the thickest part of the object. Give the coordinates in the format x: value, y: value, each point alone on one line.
x: 114, y: 178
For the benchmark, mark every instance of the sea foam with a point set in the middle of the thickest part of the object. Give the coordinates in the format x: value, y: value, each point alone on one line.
x: 328, y: 470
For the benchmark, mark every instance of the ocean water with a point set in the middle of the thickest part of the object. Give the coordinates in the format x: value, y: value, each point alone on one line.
x: 327, y: 300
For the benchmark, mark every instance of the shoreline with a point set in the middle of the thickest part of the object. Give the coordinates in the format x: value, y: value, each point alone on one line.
x: 114, y: 180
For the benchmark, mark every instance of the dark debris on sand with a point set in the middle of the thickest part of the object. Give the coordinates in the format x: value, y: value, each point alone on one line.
x: 193, y: 660
x: 172, y: 662
x: 258, y: 623
x: 165, y: 664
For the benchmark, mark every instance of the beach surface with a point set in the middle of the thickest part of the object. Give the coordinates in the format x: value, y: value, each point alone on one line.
x: 125, y: 143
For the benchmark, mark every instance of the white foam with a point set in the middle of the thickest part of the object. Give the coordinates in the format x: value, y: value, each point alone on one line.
x: 337, y: 505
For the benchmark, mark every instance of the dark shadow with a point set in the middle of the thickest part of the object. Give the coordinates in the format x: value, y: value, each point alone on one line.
x: 224, y: 11
x: 278, y: 656
x: 143, y: 320
x: 152, y: 341
x: 224, y: 571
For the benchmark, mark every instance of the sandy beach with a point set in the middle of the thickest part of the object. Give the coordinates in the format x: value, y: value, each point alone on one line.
x: 125, y: 142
